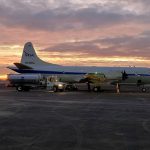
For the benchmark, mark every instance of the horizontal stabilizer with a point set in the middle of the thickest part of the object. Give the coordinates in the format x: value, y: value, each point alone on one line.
x: 22, y: 66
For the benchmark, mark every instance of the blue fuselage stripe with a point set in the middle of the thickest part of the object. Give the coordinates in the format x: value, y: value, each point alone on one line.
x: 65, y: 73
x: 145, y: 75
x: 48, y: 72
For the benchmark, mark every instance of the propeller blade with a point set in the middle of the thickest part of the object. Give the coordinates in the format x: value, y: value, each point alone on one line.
x: 124, y: 75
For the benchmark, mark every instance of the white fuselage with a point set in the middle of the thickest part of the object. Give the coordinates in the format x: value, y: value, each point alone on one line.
x: 76, y: 73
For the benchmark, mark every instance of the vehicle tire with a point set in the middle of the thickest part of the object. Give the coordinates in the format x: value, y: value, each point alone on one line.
x: 75, y: 89
x: 55, y: 89
x: 19, y: 88
x: 61, y: 90
x: 26, y: 89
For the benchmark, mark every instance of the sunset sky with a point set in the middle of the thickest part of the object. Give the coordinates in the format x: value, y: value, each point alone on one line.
x: 76, y: 32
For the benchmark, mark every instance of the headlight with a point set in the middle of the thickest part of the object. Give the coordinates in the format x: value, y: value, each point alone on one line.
x: 60, y: 85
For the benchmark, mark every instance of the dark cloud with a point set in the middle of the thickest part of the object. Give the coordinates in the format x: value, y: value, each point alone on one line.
x: 64, y: 15
x: 138, y: 46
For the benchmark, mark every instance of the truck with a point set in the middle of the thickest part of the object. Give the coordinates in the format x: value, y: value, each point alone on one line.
x: 53, y: 83
x: 25, y: 82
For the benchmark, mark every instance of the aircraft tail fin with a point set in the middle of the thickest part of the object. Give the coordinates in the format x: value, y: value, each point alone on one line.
x: 30, y: 58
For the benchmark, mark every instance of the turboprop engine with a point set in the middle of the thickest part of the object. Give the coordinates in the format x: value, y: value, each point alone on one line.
x: 104, y: 77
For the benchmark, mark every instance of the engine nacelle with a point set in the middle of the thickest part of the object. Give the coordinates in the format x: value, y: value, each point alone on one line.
x: 115, y: 75
x: 104, y: 77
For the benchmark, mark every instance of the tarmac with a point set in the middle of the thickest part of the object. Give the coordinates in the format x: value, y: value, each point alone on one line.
x: 43, y: 120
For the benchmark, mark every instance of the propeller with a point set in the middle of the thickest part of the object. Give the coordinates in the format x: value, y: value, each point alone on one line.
x: 124, y: 75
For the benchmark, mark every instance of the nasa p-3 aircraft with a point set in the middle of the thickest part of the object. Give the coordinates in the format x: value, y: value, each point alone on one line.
x: 31, y: 63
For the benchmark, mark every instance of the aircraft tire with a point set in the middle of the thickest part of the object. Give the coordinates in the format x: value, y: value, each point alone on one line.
x: 144, y: 90
x: 96, y: 89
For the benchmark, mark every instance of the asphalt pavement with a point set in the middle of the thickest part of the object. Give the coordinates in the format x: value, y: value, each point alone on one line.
x: 43, y: 120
